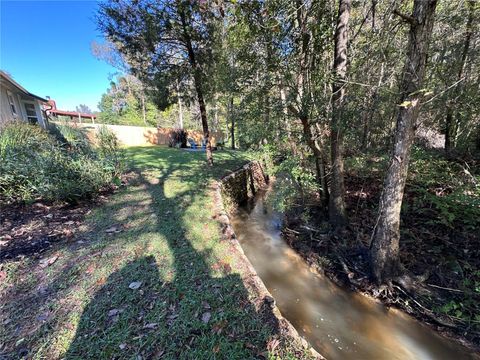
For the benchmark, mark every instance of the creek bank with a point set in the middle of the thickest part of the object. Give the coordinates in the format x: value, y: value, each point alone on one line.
x: 344, y: 259
x: 338, y: 323
x: 230, y: 192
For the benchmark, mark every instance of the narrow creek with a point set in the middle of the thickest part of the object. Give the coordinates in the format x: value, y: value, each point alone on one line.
x: 339, y: 324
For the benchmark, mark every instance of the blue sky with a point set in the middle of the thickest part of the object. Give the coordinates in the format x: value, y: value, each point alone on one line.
x: 45, y: 46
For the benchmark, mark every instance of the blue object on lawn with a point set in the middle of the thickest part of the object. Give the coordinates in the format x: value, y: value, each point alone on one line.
x: 192, y: 143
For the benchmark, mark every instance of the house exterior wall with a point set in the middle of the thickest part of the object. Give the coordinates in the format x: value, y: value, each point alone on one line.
x: 5, y: 110
x: 6, y: 114
x: 41, y: 119
x: 38, y: 108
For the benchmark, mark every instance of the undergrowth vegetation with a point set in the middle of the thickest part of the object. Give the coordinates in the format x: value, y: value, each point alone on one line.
x: 439, y: 226
x: 55, y: 165
x: 440, y: 234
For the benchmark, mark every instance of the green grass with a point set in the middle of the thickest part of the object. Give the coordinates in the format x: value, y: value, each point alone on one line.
x: 81, y: 307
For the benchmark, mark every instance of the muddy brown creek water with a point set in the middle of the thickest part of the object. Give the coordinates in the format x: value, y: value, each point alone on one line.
x: 339, y: 324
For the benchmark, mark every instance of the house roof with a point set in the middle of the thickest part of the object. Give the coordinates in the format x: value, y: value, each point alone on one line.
x: 8, y: 78
x: 72, y: 113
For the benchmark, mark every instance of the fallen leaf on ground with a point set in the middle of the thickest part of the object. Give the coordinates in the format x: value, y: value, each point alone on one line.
x: 90, y: 269
x: 114, y: 312
x: 206, y: 305
x: 48, y: 261
x: 272, y: 345
x: 219, y: 326
x: 122, y: 346
x: 151, y: 326
x: 113, y: 229
x: 135, y: 285
x: 206, y: 317
x: 20, y: 342
x: 67, y: 232
x: 43, y: 317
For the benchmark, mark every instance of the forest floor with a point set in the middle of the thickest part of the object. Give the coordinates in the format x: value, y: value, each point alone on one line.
x: 140, y: 274
x: 439, y: 248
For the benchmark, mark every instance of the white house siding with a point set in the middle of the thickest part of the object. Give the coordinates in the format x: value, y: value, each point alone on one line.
x: 6, y: 114
x: 5, y: 110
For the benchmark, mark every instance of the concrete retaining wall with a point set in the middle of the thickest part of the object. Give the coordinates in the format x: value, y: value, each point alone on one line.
x: 243, y: 184
x: 233, y: 189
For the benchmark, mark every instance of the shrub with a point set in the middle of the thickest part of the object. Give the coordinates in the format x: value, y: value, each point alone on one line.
x: 35, y: 165
x: 18, y: 134
x: 109, y: 150
x: 178, y: 138
x: 107, y: 141
x: 75, y: 138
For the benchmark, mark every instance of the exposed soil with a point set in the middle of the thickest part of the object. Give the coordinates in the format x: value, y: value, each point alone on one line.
x: 27, y: 231
x: 430, y: 252
x: 30, y: 230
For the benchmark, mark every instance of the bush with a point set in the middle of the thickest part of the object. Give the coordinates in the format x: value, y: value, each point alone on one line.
x: 34, y: 165
x: 178, y: 138
x: 17, y: 134
x: 75, y: 138
x: 109, y: 150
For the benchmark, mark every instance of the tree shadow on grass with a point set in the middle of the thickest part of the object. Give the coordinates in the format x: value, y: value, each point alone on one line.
x: 191, y: 306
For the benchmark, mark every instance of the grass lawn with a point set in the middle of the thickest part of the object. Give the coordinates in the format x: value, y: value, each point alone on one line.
x: 144, y: 277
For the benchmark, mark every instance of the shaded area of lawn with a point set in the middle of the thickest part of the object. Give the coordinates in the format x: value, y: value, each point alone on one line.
x: 158, y: 236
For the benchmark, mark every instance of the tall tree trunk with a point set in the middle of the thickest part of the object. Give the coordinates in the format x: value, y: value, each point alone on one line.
x: 384, y: 248
x: 451, y: 123
x: 232, y: 120
x: 336, y: 208
x: 449, y: 133
x: 180, y: 107
x: 215, y: 112
x: 304, y: 100
x: 203, y: 115
x: 322, y: 181
x: 197, y: 80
